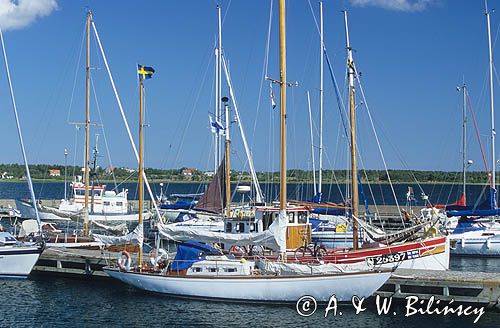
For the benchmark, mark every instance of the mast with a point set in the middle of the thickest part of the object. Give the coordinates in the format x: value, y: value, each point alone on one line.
x: 141, y: 162
x: 282, y: 108
x: 492, y: 106
x: 464, y: 140
x: 227, y: 164
x: 312, y: 142
x: 352, y: 120
x: 219, y: 79
x: 65, y: 172
x: 321, y: 60
x: 216, y: 89
x: 20, y: 135
x: 87, y: 126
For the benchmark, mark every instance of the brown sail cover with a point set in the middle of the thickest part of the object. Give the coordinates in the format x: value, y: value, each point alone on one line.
x: 214, y: 198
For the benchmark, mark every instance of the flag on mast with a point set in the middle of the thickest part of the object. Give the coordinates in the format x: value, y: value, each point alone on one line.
x: 145, y: 72
x: 271, y: 93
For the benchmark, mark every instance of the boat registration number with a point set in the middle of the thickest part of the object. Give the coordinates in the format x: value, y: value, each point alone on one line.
x: 395, y: 257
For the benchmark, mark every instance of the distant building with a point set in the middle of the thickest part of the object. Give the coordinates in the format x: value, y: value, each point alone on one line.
x: 209, y: 173
x: 5, y: 175
x: 109, y: 170
x: 55, y: 173
x: 188, y: 172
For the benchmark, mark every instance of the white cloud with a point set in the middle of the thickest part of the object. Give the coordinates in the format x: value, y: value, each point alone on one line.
x: 398, y: 5
x: 16, y: 14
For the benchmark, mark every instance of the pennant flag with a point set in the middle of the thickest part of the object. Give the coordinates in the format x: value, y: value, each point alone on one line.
x: 273, y: 102
x: 145, y: 72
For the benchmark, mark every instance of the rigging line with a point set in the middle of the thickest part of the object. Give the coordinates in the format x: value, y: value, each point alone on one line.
x: 377, y: 140
x: 103, y: 131
x: 77, y: 128
x: 479, y: 140
x: 264, y: 72
x: 76, y: 73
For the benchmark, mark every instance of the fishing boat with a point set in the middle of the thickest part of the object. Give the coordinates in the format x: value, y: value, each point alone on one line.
x: 17, y: 259
x: 222, y: 278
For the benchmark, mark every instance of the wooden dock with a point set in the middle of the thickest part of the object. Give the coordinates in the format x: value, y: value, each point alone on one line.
x: 461, y: 286
x: 464, y: 287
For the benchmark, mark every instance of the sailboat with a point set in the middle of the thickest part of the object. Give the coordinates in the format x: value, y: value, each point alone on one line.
x: 200, y: 271
x: 17, y: 259
x: 478, y: 232
x: 407, y: 248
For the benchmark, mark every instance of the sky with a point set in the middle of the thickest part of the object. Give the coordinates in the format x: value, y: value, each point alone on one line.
x: 412, y: 54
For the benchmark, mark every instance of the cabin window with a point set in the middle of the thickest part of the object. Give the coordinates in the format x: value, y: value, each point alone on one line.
x: 196, y: 269
x: 230, y: 270
x: 229, y: 227
x: 252, y: 227
x: 119, y: 203
x: 80, y: 192
x: 240, y: 227
x: 291, y: 217
x: 106, y: 203
x: 97, y: 193
x: 302, y: 216
x: 213, y: 269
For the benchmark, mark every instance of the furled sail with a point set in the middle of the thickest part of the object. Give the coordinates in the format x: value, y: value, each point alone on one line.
x: 274, y: 237
x: 214, y: 198
x: 135, y: 237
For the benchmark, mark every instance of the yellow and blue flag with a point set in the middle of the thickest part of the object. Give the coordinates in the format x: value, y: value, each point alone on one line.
x: 145, y: 72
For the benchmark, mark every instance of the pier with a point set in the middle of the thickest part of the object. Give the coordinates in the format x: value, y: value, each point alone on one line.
x: 463, y: 287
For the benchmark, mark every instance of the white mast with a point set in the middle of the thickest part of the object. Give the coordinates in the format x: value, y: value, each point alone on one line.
x: 492, y: 107
x: 259, y: 197
x: 312, y: 142
x: 217, y: 98
x: 219, y: 79
x: 18, y: 125
x: 320, y: 174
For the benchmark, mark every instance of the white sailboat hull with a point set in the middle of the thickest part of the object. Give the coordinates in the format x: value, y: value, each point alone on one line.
x: 18, y: 261
x: 257, y: 288
x: 476, y: 243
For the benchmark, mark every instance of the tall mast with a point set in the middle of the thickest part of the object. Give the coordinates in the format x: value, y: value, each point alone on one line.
x: 282, y: 107
x: 87, y: 125
x: 492, y: 106
x: 227, y: 166
x: 217, y: 97
x: 464, y: 136
x: 219, y: 78
x: 321, y: 60
x: 312, y: 141
x: 352, y: 120
x: 20, y: 136
x: 141, y: 162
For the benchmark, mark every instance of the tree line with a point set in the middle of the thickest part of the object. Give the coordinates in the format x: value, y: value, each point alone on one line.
x: 41, y: 171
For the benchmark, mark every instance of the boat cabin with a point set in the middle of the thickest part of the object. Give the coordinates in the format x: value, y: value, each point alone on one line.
x: 298, y: 229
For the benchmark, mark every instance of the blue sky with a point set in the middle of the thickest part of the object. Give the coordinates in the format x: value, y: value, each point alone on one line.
x: 412, y: 55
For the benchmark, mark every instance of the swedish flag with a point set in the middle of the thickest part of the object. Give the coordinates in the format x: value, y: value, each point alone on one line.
x: 145, y: 72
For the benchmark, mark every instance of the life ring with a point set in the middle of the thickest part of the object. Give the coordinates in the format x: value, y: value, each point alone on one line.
x: 124, y: 261
x: 155, y: 255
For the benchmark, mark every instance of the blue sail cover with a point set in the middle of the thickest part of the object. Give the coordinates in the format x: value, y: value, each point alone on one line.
x: 190, y: 252
x: 180, y: 204
x: 486, y: 208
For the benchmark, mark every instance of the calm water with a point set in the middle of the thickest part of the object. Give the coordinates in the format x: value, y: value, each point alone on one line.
x: 380, y: 194
x: 58, y: 302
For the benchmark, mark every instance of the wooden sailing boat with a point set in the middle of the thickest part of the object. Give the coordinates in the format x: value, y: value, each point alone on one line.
x: 198, y: 271
x: 390, y: 250
x: 17, y: 259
